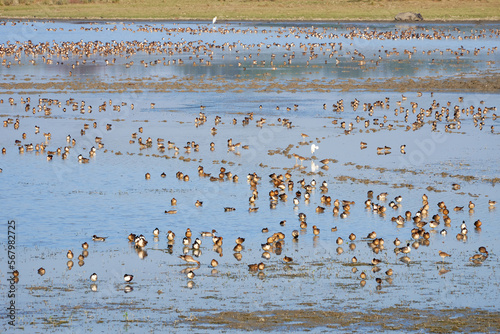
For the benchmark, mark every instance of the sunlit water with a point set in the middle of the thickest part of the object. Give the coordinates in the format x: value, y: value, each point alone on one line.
x: 57, y: 205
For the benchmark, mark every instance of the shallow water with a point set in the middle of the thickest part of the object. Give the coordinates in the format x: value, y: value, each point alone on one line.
x: 57, y: 205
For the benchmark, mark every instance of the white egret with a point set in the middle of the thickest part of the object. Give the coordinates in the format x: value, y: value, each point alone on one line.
x: 314, y: 148
x: 314, y: 167
x: 214, y: 20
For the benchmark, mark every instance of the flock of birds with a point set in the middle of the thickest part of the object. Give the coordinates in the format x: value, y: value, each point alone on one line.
x: 328, y: 45
x: 433, y: 115
x: 425, y: 219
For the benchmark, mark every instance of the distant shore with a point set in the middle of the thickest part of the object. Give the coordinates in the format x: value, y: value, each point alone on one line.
x: 244, y: 10
x: 220, y: 22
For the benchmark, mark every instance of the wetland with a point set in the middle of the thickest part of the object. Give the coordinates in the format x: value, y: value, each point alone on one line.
x: 358, y: 160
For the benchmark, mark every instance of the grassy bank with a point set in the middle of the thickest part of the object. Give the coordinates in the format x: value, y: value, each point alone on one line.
x: 251, y: 9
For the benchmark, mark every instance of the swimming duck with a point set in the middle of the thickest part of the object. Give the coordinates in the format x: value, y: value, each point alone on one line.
x: 128, y: 278
x: 140, y: 241
x: 96, y: 238
x: 483, y: 250
x: 208, y: 234
x: 315, y: 230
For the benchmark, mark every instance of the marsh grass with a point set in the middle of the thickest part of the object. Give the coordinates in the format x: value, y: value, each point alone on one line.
x: 250, y: 10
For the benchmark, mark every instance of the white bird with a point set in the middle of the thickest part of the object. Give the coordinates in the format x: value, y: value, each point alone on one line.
x: 314, y: 167
x: 314, y: 148
x: 214, y: 20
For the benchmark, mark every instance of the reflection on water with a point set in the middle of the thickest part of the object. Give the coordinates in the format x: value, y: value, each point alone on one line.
x: 60, y: 204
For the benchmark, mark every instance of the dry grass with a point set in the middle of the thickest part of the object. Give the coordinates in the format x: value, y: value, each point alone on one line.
x: 251, y: 9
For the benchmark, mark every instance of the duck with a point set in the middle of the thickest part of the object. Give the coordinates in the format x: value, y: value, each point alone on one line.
x: 406, y: 249
x: 41, y: 271
x: 69, y: 255
x: 85, y: 245
x: 96, y: 238
x: 267, y: 246
x: 140, y: 241
x: 156, y: 232
x: 253, y: 267
x: 214, y: 263
x: 128, y: 278
x: 208, y: 234
x: 189, y: 259
x: 315, y: 230
x: 483, y: 250
x: 287, y: 259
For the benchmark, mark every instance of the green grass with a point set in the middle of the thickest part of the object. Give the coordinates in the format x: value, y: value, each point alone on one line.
x: 250, y: 9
